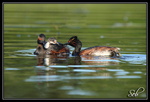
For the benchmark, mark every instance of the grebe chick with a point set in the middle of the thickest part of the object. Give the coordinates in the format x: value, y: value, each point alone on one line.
x: 55, y: 47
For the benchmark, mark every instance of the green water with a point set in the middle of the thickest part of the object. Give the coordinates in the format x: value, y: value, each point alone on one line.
x: 117, y: 25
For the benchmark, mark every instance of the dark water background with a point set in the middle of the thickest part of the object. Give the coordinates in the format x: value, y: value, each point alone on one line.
x: 120, y: 25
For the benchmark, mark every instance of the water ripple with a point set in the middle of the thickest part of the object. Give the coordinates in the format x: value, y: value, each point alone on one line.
x: 80, y: 92
x: 12, y: 69
x: 83, y: 70
x: 128, y: 76
x: 43, y: 78
x: 61, y: 78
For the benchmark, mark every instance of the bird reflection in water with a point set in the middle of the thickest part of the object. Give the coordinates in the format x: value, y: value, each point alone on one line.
x: 47, y: 60
x: 53, y: 62
x: 50, y: 67
x: 100, y: 60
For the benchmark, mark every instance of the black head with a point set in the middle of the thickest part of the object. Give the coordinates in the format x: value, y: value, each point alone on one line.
x: 73, y: 41
x: 41, y: 39
x: 42, y: 36
x: 73, y: 38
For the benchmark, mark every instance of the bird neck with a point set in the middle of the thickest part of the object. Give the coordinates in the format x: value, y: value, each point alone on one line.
x: 77, y: 49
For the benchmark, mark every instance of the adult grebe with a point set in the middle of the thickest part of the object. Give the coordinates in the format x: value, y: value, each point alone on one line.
x: 41, y: 41
x: 93, y: 51
x: 50, y: 47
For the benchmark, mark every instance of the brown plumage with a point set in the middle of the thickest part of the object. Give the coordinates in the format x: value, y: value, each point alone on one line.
x: 40, y: 50
x: 101, y: 50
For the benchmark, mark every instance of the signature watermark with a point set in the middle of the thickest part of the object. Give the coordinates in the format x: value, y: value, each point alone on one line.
x: 135, y: 93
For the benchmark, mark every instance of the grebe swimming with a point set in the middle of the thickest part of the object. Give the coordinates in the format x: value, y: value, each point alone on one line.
x: 93, y: 51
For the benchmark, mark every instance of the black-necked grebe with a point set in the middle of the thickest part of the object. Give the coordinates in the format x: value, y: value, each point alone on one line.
x: 41, y: 41
x: 93, y: 51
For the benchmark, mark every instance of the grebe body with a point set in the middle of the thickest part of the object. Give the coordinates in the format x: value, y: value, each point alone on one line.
x: 101, y: 51
x: 93, y: 51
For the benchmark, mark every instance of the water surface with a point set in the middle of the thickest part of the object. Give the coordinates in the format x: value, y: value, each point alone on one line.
x: 75, y: 77
x: 27, y: 76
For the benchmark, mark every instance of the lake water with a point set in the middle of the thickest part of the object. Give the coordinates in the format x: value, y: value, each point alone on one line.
x: 27, y: 76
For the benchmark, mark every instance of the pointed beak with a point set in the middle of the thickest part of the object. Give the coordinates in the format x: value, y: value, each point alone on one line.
x: 57, y: 43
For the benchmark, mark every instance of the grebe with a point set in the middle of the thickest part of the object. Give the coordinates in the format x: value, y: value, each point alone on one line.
x: 93, y: 51
x: 55, y: 47
x: 41, y: 39
x: 40, y: 47
x: 51, y: 47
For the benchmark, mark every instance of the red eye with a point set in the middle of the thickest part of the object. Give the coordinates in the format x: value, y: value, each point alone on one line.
x: 39, y: 38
